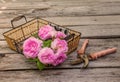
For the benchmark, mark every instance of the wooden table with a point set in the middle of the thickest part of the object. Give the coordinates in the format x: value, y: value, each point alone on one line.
x: 97, y: 20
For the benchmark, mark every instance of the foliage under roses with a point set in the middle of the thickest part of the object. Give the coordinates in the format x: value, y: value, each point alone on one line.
x: 48, y: 48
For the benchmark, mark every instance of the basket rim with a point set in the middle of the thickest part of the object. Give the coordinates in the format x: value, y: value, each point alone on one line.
x: 37, y: 18
x: 19, y: 26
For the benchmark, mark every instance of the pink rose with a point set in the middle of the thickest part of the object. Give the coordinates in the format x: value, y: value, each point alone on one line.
x: 31, y: 47
x: 53, y: 33
x: 46, y: 55
x: 60, y: 58
x: 60, y: 35
x: 45, y: 32
x: 59, y: 45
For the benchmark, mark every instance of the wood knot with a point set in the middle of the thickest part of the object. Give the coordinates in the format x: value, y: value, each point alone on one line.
x: 2, y: 55
x: 95, y: 19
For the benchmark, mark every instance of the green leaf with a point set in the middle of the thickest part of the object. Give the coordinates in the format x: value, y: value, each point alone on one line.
x: 35, y: 35
x: 47, y: 43
x: 40, y: 65
x: 33, y: 60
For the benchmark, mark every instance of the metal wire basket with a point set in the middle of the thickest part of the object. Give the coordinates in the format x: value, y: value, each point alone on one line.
x: 16, y: 36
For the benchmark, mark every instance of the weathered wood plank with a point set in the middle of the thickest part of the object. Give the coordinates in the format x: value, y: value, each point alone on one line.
x: 82, y: 1
x: 64, y: 11
x: 105, y: 69
x: 54, y: 2
x: 87, y: 75
x: 6, y: 22
x: 4, y: 48
x: 60, y: 8
x: 98, y: 31
x: 86, y: 20
x: 23, y: 5
x: 72, y: 21
x: 90, y: 31
x: 2, y: 31
x: 12, y: 61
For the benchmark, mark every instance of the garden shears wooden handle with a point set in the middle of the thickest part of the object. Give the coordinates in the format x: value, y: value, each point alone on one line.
x: 84, y: 58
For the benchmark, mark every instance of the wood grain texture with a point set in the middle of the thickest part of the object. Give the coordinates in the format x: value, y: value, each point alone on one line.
x: 98, y: 31
x: 95, y: 19
x: 88, y: 31
x: 11, y: 62
x: 73, y: 21
x: 85, y: 20
x: 2, y: 31
x: 60, y: 8
x: 4, y: 48
x: 70, y: 75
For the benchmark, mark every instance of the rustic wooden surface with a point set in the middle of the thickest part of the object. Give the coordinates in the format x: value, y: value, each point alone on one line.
x: 97, y: 20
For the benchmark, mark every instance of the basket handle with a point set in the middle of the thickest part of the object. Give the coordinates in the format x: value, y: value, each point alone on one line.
x: 17, y: 19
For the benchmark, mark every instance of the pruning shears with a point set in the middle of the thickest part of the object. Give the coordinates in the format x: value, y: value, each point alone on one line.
x: 85, y: 58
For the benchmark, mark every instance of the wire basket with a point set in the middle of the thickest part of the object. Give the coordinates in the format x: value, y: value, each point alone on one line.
x: 16, y: 36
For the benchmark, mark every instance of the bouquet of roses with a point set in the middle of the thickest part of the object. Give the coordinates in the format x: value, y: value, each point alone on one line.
x: 48, y: 48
